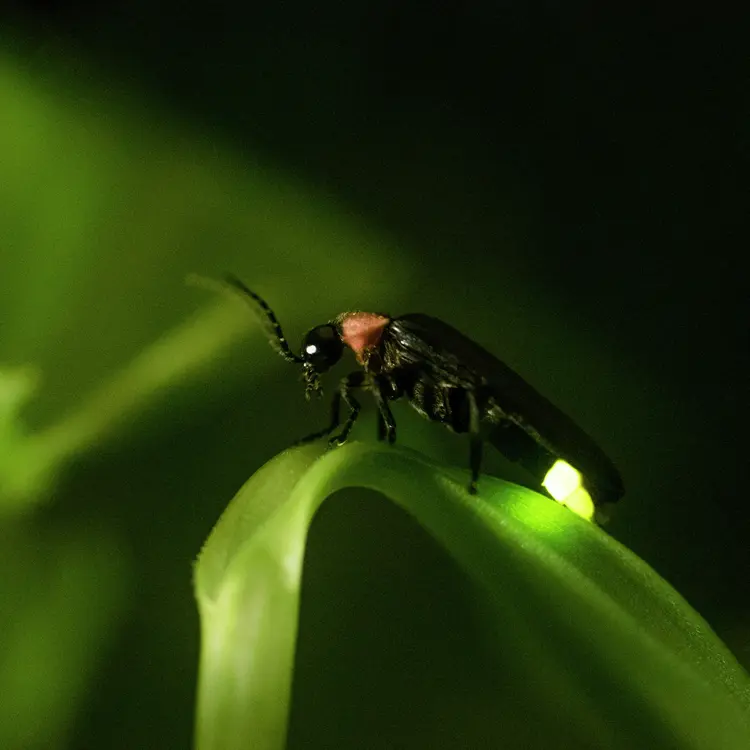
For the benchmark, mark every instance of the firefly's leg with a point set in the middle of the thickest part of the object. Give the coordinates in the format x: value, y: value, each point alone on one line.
x: 335, y: 422
x: 349, y: 382
x: 386, y: 423
x: 354, y: 380
x: 475, y: 442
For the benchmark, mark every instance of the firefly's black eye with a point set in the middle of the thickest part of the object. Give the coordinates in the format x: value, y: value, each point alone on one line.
x: 322, y: 347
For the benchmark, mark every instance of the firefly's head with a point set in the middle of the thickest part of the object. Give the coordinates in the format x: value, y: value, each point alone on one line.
x: 323, y: 345
x: 322, y: 348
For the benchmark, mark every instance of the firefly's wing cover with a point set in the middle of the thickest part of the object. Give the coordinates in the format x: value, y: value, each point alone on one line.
x: 449, y: 357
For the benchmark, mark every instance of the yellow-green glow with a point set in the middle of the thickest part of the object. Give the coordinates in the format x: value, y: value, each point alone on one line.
x: 563, y: 482
x: 580, y: 502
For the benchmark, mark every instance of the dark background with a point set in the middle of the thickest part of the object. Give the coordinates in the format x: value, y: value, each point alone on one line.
x: 562, y: 184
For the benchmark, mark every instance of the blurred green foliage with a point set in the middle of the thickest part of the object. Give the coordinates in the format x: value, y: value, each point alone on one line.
x: 63, y: 592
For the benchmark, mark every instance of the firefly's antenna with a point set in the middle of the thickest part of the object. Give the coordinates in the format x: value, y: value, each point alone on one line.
x: 273, y: 327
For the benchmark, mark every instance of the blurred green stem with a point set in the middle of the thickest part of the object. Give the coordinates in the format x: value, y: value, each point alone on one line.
x: 30, y: 463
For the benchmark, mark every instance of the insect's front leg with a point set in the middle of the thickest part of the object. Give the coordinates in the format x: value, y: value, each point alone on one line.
x: 354, y: 380
x: 335, y: 422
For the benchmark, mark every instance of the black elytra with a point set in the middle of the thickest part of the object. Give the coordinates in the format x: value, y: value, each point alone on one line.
x: 447, y: 378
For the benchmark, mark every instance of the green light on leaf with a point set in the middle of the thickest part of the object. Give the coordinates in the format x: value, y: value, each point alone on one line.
x: 580, y: 502
x: 563, y: 482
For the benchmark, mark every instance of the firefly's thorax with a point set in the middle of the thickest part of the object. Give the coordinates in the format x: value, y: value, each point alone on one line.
x: 362, y: 332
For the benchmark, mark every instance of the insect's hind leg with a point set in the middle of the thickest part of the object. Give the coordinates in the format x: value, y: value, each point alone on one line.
x: 475, y: 442
x: 386, y: 422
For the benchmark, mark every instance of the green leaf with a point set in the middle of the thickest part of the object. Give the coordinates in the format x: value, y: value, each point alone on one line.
x: 602, y: 651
